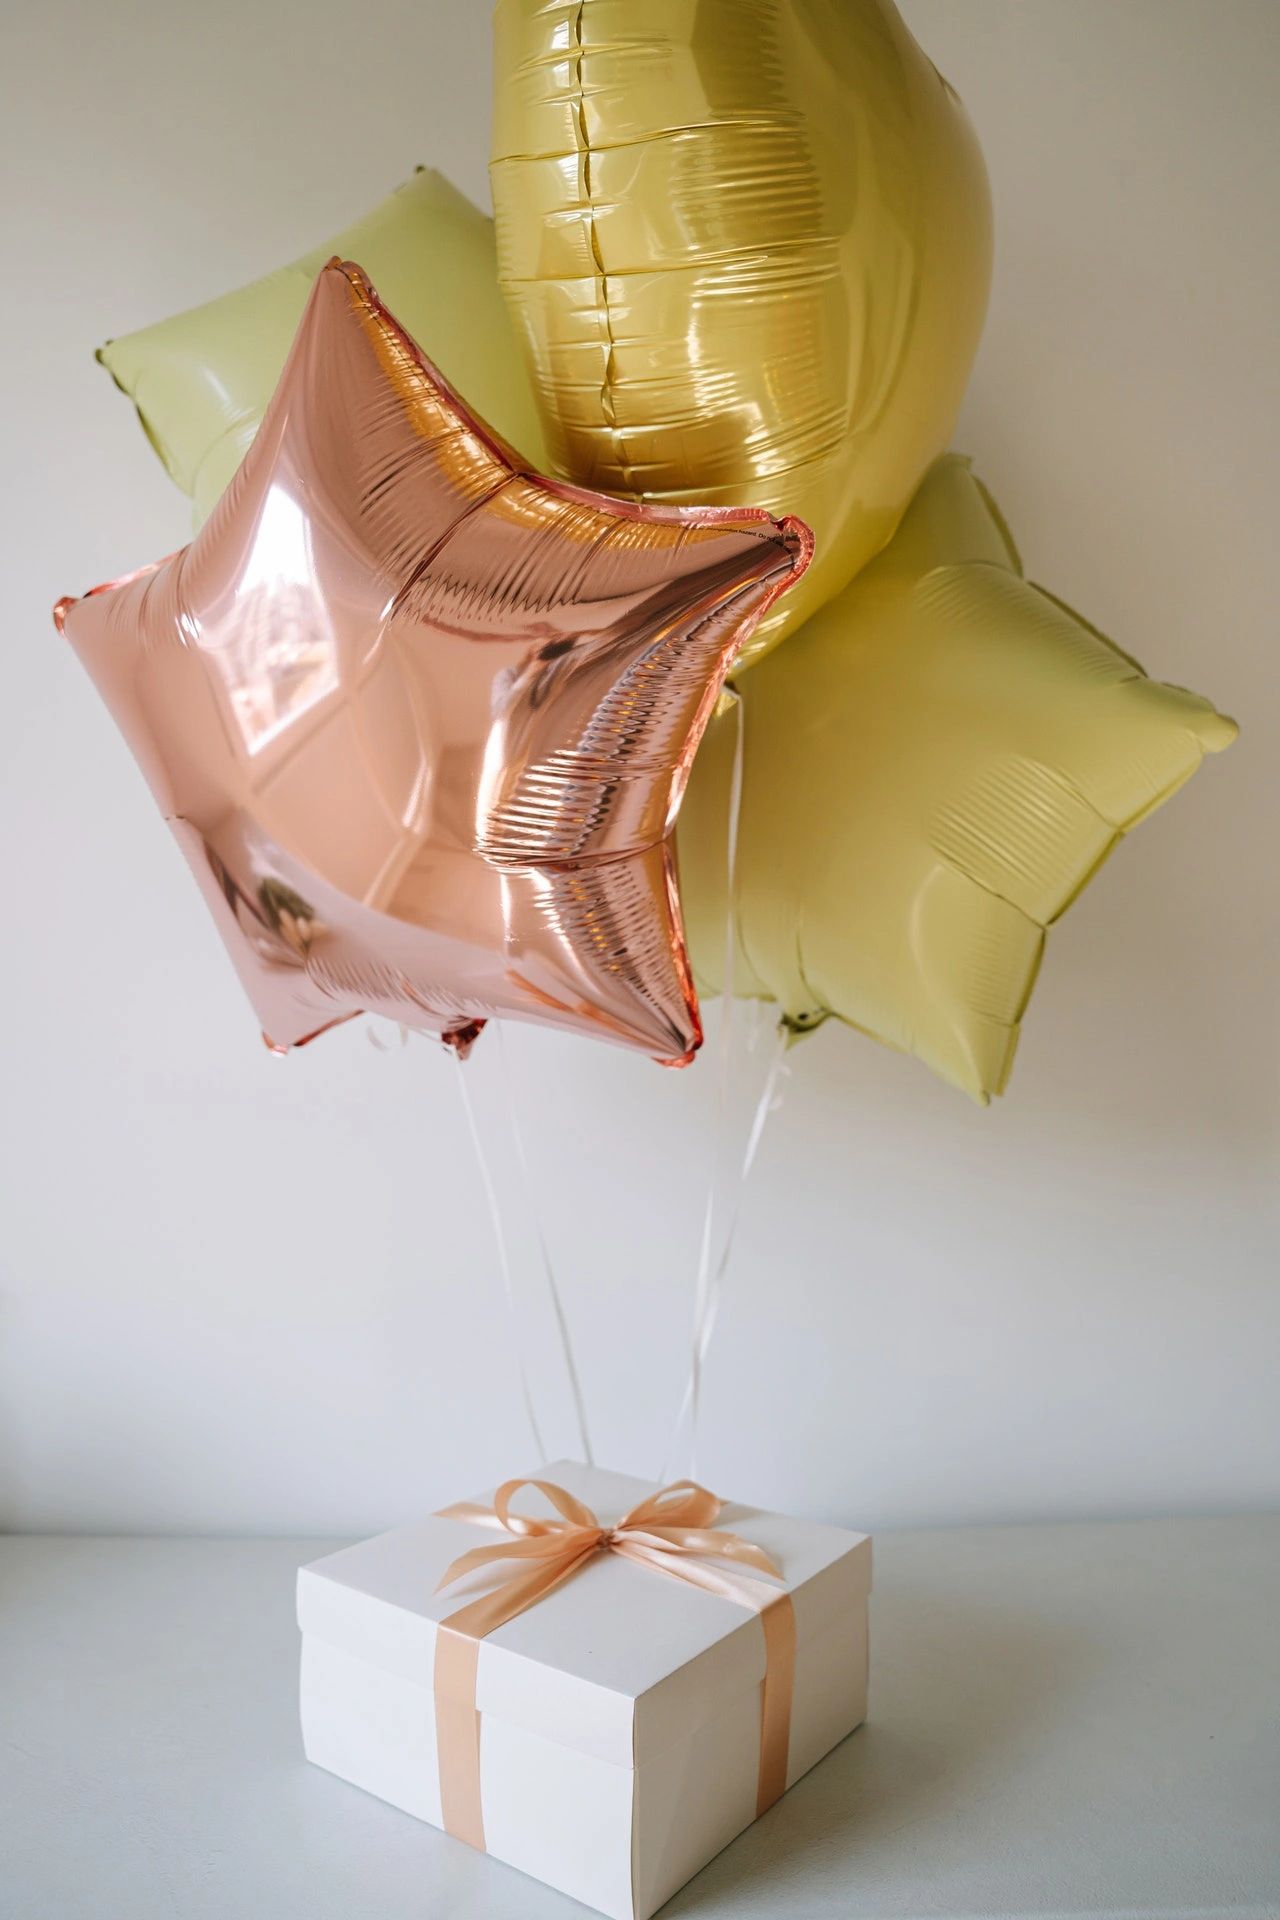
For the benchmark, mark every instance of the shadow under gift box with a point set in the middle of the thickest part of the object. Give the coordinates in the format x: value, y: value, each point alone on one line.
x: 619, y: 1715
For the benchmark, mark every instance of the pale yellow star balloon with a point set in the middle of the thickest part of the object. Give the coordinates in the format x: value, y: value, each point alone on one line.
x: 934, y: 768
x: 201, y: 380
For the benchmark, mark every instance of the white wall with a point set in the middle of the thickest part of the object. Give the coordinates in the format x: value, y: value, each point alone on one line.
x: 240, y: 1293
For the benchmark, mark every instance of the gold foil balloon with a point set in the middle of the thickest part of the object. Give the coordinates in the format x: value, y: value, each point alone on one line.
x: 421, y: 722
x: 933, y: 770
x: 747, y: 244
x: 201, y: 381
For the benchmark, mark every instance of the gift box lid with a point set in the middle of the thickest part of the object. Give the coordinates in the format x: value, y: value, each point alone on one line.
x: 619, y: 1661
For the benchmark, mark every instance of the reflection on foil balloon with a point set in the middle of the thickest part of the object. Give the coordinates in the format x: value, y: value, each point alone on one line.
x: 201, y: 380
x: 421, y: 721
x: 747, y: 244
x: 933, y: 770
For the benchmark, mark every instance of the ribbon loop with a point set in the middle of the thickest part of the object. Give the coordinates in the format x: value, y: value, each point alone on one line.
x: 683, y: 1504
x: 574, y: 1513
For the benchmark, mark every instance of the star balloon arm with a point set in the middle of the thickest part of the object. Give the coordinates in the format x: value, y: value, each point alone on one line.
x: 620, y: 779
x: 935, y: 768
x: 202, y: 380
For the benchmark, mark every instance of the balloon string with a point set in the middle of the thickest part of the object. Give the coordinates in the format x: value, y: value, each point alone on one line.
x: 692, y: 1400
x: 767, y: 1103
x: 375, y: 1039
x: 553, y: 1288
x: 504, y: 1262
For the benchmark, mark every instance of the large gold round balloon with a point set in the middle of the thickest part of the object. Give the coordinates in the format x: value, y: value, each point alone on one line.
x: 933, y: 770
x: 747, y: 245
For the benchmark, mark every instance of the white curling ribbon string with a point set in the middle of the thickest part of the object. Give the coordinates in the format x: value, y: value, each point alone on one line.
x: 504, y: 1261
x: 709, y: 1283
x: 376, y: 1041
x: 769, y: 1101
x: 702, y: 1290
x: 500, y: 1238
x: 553, y: 1286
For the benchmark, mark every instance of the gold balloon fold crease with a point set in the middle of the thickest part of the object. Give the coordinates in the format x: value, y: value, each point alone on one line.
x: 747, y: 247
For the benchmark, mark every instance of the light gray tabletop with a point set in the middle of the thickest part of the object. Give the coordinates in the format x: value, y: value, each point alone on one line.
x: 1069, y: 1720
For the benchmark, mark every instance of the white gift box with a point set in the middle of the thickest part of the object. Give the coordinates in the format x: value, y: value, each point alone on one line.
x: 619, y: 1715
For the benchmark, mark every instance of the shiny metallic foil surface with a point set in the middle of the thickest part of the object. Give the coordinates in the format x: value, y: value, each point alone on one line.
x: 747, y: 246
x: 420, y: 721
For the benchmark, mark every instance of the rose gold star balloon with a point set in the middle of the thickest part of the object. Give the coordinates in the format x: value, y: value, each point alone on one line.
x: 421, y: 720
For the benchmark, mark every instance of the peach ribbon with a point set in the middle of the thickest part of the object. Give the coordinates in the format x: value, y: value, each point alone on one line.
x: 669, y: 1531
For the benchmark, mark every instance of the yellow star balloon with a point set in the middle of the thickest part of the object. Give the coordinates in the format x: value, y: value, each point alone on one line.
x: 748, y: 246
x: 201, y: 381
x: 934, y: 768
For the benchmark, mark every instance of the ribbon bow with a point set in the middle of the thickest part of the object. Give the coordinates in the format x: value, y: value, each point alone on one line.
x: 669, y: 1531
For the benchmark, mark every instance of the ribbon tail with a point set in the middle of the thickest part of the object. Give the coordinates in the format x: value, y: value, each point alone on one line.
x: 779, y: 1622
x: 458, y: 1735
x: 706, y: 1542
x: 457, y: 1662
x: 512, y: 1554
x: 778, y: 1619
